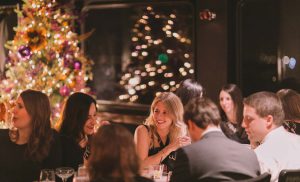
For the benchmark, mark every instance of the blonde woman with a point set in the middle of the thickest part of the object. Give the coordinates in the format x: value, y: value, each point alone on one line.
x: 163, y: 132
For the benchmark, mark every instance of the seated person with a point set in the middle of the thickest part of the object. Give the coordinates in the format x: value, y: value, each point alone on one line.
x: 278, y: 149
x: 231, y: 103
x: 212, y: 156
x: 163, y: 133
x: 291, y: 105
x: 76, y: 127
x: 188, y: 90
x: 113, y: 156
x: 31, y: 145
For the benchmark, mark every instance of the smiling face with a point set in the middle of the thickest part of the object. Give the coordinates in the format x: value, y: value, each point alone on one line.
x: 255, y: 126
x: 91, y: 121
x: 21, y: 118
x: 226, y: 102
x: 161, y: 117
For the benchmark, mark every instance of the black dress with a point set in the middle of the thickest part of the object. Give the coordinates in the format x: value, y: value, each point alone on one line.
x: 170, y: 159
x: 72, y: 153
x: 14, y: 167
x: 234, y: 132
x: 292, y: 127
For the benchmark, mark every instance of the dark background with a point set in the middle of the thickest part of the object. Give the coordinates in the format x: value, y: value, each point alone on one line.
x: 244, y: 45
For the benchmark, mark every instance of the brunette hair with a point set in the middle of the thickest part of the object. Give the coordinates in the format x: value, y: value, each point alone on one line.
x: 291, y: 103
x: 237, y: 99
x: 266, y: 103
x: 113, y: 155
x: 203, y: 112
x: 189, y: 89
x: 75, y: 115
x: 37, y: 106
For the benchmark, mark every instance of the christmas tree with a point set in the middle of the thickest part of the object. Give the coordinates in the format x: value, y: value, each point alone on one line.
x: 44, y: 54
x: 160, y: 58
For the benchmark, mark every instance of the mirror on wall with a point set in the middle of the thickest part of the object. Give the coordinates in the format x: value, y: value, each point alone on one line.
x: 138, y: 49
x: 268, y: 45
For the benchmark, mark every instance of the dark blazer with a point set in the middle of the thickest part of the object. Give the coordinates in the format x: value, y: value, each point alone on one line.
x: 215, y: 158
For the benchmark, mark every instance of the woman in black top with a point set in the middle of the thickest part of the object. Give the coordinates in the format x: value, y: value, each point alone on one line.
x: 231, y: 102
x: 291, y: 105
x: 32, y: 145
x: 76, y: 126
x: 163, y: 133
x: 113, y: 156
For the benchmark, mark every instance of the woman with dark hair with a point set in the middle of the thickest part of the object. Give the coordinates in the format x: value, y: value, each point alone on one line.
x: 32, y: 145
x: 291, y: 105
x: 76, y: 126
x: 189, y: 89
x: 231, y: 102
x: 113, y: 156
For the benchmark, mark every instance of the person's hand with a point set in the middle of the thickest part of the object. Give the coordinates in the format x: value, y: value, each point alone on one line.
x: 180, y: 142
x: 185, y: 140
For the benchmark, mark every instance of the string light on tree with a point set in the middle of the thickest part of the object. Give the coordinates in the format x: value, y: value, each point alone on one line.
x: 160, y: 49
x: 44, y: 54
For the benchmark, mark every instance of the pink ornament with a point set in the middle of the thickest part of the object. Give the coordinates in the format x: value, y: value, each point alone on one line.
x: 77, y: 65
x: 64, y: 91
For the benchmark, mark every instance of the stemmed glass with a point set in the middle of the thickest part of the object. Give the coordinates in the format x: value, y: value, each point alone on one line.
x: 64, y: 173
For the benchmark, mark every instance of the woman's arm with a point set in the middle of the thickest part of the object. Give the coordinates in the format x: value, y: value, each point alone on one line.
x: 142, y: 141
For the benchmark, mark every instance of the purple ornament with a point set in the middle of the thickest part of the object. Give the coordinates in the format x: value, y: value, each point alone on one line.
x: 64, y: 91
x: 77, y: 65
x: 24, y: 52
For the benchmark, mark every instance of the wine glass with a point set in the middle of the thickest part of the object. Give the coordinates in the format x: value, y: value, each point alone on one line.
x: 64, y: 173
x: 47, y: 175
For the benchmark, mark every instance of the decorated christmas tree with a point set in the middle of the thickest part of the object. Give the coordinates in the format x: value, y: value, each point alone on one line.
x: 160, y: 58
x: 44, y: 54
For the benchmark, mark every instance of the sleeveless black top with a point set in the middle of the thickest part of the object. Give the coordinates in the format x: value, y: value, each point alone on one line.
x: 170, y: 159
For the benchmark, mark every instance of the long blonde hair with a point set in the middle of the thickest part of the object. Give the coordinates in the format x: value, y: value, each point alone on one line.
x: 174, y: 108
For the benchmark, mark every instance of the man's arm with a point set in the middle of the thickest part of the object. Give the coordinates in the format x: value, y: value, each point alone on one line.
x: 181, y: 170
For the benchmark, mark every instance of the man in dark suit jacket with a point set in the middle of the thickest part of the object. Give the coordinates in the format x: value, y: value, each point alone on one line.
x: 212, y: 156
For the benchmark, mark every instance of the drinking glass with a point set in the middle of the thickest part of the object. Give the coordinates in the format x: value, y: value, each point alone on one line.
x: 64, y: 173
x: 80, y: 178
x: 47, y: 175
x: 157, y: 171
x: 82, y: 170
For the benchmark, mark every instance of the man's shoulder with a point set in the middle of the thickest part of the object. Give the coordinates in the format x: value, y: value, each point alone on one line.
x: 217, y: 146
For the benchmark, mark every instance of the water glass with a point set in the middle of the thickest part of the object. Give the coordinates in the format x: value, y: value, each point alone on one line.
x: 157, y: 171
x: 82, y: 170
x: 47, y: 175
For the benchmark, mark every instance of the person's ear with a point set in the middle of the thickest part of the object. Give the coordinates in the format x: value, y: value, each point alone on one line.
x: 269, y: 121
x: 190, y: 124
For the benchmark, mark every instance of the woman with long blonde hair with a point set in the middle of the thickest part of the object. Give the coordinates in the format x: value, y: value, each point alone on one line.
x: 163, y: 132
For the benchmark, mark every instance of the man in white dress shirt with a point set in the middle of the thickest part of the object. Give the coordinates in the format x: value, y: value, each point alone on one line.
x: 278, y: 149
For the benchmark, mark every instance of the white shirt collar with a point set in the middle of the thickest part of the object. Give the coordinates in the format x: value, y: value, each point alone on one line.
x: 210, y: 129
x: 274, y: 132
